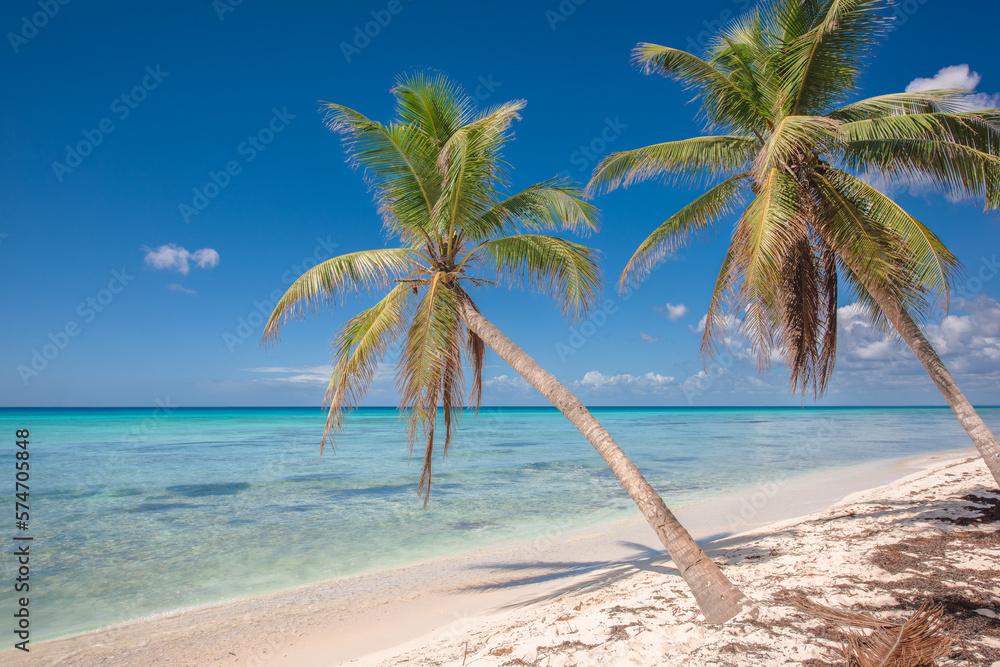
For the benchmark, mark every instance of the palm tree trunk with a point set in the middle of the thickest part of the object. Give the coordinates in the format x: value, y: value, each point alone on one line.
x: 718, y: 599
x: 973, y: 424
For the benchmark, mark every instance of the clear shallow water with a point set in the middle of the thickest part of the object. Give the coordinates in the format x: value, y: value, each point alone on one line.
x: 135, y: 512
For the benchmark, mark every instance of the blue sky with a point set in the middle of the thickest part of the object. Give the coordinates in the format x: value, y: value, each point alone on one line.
x: 123, y: 286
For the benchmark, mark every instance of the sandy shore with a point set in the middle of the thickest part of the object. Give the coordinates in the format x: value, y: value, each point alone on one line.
x: 925, y: 528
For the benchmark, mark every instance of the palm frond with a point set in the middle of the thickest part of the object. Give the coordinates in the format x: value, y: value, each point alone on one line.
x: 564, y: 270
x: 929, y: 262
x: 978, y: 129
x: 827, y: 357
x: 743, y: 52
x: 766, y: 234
x: 794, y: 139
x: 724, y: 103
x: 397, y: 162
x: 715, y: 318
x: 550, y: 205
x: 327, y: 282
x: 701, y: 213
x: 470, y: 166
x: 802, y: 307
x: 961, y: 170
x: 358, y: 348
x: 872, y: 256
x: 897, y: 104
x: 434, y: 105
x: 430, y: 366
x: 824, y: 46
x: 688, y: 161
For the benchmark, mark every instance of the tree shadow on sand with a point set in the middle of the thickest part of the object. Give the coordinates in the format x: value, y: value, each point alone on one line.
x: 584, y: 577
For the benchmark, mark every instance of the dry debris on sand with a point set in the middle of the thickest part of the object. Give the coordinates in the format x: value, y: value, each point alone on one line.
x: 929, y: 541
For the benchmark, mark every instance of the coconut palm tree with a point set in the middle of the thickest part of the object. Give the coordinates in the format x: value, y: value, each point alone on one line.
x: 437, y: 173
x: 792, y: 158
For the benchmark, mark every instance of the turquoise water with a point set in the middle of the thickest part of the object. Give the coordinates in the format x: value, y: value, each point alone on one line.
x: 136, y: 511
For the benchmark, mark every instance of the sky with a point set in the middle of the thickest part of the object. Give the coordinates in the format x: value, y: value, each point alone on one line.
x: 167, y: 174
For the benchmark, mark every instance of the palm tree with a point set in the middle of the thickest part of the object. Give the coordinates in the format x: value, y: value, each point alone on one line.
x: 437, y: 172
x: 793, y: 156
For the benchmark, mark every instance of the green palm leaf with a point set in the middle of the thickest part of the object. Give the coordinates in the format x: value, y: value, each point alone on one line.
x: 724, y: 102
x: 793, y: 137
x: 397, y: 161
x: 700, y: 214
x: 765, y: 235
x: 358, y: 348
x: 550, y: 205
x: 687, y: 161
x: 930, y: 264
x: 326, y: 283
x: 895, y: 104
x: 962, y: 170
x: 564, y: 270
x: 824, y: 46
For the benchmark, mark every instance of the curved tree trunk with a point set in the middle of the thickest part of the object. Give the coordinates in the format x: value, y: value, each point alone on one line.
x: 718, y: 599
x: 973, y: 424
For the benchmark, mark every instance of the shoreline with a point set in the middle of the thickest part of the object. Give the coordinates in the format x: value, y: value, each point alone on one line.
x: 454, y: 591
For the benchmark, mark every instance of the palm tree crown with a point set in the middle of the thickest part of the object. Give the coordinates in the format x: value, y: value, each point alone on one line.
x: 438, y: 173
x: 792, y: 159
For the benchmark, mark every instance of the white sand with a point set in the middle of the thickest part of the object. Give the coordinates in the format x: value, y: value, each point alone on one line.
x: 608, y: 595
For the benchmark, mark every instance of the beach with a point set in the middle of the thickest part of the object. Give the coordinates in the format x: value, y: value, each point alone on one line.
x: 608, y: 595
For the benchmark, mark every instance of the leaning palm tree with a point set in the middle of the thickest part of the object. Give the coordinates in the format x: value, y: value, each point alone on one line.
x: 792, y: 160
x: 437, y: 173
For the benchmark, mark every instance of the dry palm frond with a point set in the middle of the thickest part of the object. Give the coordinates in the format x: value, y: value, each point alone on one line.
x: 918, y: 642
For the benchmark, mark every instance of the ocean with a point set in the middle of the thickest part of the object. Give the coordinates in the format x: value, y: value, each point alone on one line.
x: 136, y: 512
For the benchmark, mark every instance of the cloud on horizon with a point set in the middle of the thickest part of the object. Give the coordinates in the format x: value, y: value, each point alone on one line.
x: 968, y: 343
x: 296, y: 374
x: 507, y: 383
x: 649, y: 382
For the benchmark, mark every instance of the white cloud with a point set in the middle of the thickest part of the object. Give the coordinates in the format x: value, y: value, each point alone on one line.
x: 174, y: 287
x: 506, y: 382
x: 730, y: 327
x: 312, y: 380
x: 674, y: 313
x: 646, y: 338
x: 958, y: 76
x: 649, y: 381
x: 296, y: 374
x: 206, y: 258
x: 955, y: 76
x: 172, y: 257
x: 969, y: 345
x: 857, y: 340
